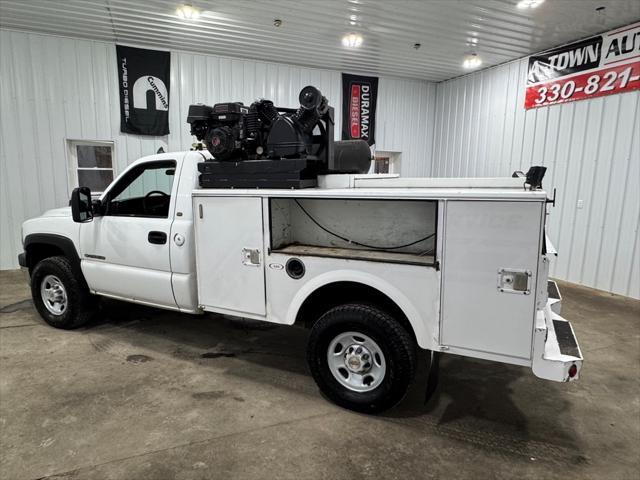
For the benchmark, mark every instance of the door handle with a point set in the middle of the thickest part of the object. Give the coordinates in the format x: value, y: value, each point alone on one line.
x: 158, y: 238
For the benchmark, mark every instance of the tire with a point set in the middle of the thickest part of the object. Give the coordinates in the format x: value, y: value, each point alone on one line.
x: 69, y: 304
x: 354, y: 325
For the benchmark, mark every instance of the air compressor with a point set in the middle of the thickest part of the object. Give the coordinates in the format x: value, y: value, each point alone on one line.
x: 264, y: 146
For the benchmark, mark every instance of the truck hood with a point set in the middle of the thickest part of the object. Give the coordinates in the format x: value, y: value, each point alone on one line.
x: 58, y: 212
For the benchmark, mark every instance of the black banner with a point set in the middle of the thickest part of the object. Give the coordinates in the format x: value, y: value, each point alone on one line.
x: 144, y: 90
x: 359, y: 95
x: 566, y: 60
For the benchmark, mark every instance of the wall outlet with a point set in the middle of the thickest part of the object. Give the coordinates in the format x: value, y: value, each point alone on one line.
x: 580, y: 204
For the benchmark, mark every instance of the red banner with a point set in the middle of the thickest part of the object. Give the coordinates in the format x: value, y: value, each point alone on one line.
x: 602, y: 65
x: 354, y: 111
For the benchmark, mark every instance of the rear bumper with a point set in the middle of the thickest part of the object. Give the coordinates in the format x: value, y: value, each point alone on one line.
x: 556, y: 353
x: 22, y: 260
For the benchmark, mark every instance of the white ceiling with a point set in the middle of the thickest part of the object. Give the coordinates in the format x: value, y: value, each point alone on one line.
x: 311, y: 30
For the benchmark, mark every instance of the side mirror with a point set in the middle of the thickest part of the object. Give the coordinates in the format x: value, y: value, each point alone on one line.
x: 81, y: 207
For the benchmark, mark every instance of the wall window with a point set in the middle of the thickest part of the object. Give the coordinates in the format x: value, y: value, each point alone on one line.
x: 381, y: 164
x: 386, y: 162
x: 91, y: 164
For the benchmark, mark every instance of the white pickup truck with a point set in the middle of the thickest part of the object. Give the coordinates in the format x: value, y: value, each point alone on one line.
x: 376, y: 266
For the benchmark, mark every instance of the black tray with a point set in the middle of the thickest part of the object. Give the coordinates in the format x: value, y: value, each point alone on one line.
x: 258, y: 166
x: 210, y: 181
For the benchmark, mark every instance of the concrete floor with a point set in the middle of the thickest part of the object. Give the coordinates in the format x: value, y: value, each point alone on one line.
x: 143, y: 393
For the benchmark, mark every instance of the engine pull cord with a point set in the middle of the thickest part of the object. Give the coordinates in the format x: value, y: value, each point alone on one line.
x: 341, y: 237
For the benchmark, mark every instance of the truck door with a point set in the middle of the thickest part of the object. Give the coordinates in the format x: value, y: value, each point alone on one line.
x: 490, y: 262
x: 229, y: 256
x: 125, y: 251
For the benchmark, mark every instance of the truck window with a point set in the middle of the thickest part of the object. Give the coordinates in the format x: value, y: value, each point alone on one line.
x: 145, y: 191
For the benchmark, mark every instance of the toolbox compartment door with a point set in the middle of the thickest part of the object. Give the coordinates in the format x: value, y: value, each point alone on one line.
x: 229, y: 256
x: 490, y: 263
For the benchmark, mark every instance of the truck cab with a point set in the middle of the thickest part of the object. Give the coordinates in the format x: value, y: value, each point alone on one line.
x: 377, y: 267
x: 138, y: 245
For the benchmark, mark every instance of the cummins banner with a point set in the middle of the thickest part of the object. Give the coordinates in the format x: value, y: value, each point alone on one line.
x: 144, y: 90
x: 602, y: 65
x: 359, y: 95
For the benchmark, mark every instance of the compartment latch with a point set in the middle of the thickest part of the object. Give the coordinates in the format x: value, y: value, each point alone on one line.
x: 514, y: 281
x: 251, y: 257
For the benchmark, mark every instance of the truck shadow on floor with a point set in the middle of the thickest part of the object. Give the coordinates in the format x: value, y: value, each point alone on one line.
x: 476, y: 400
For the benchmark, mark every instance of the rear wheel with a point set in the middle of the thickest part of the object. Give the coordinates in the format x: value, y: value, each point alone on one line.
x: 361, y: 358
x: 60, y: 298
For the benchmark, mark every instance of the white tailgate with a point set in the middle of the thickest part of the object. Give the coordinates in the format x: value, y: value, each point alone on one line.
x: 228, y: 280
x: 481, y: 238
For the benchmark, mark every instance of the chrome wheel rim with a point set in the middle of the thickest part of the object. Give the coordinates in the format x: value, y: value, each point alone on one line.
x: 54, y: 295
x: 356, y: 361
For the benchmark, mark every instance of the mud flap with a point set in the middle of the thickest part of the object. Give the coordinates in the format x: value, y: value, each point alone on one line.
x: 432, y: 375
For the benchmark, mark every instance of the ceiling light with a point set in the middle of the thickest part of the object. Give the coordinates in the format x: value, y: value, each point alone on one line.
x: 529, y: 3
x: 187, y: 12
x: 472, y: 61
x: 352, y: 40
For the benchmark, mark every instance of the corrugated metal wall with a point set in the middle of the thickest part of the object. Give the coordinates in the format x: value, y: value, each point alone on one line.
x: 53, y: 89
x: 591, y: 149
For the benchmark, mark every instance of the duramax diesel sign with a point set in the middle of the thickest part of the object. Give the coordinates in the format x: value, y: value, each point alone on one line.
x: 359, y: 96
x: 600, y: 65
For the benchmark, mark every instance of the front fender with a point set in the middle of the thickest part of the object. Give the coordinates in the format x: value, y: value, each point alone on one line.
x: 53, y: 222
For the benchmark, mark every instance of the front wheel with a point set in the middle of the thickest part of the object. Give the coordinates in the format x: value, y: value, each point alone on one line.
x: 61, y: 300
x: 361, y: 358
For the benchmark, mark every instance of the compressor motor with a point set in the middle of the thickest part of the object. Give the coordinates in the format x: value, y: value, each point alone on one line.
x: 233, y: 132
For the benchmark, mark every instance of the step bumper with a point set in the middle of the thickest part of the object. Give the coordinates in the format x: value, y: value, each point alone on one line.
x: 556, y: 353
x: 554, y: 297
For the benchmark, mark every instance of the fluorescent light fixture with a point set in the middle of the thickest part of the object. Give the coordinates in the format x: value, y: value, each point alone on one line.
x: 529, y: 3
x: 187, y: 12
x: 352, y: 40
x: 471, y: 61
